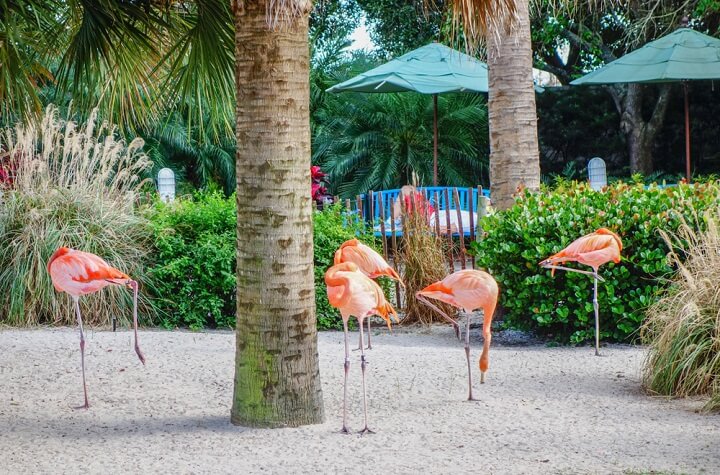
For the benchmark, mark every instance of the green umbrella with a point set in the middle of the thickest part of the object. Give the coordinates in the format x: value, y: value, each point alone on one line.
x: 431, y: 69
x: 683, y: 55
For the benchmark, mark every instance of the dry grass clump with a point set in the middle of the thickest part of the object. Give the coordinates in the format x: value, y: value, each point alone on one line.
x: 423, y: 263
x: 683, y: 327
x: 75, y: 186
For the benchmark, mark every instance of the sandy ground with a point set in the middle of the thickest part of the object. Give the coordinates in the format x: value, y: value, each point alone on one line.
x: 542, y: 410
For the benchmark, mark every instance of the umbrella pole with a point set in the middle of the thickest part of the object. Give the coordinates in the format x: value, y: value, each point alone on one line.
x: 687, y: 132
x: 435, y: 140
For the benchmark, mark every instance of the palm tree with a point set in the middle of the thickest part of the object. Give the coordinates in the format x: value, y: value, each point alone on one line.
x: 514, y: 152
x: 138, y: 60
x: 276, y: 367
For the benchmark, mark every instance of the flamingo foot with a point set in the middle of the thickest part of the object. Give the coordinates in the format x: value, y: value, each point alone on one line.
x: 366, y: 430
x: 84, y: 406
x: 470, y: 398
x: 344, y: 430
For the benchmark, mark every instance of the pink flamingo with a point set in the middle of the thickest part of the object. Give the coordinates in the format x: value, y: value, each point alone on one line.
x: 79, y: 273
x: 355, y: 294
x: 468, y: 290
x: 594, y: 250
x: 369, y: 262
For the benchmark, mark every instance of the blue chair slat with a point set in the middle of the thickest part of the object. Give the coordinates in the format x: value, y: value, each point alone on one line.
x: 386, y: 198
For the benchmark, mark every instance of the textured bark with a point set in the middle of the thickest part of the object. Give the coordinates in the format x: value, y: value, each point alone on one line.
x: 514, y: 152
x: 277, y: 377
x: 640, y: 134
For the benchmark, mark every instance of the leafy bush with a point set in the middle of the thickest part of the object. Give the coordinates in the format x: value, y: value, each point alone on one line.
x: 541, y: 224
x: 193, y: 264
x: 72, y: 186
x: 683, y: 327
x: 332, y: 228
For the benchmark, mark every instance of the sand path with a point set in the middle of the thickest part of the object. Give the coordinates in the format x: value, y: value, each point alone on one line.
x: 542, y: 410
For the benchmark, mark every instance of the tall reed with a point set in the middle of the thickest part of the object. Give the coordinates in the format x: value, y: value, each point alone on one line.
x: 423, y: 262
x: 683, y: 327
x: 74, y: 186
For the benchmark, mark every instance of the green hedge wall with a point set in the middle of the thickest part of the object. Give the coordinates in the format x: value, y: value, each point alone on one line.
x: 541, y: 224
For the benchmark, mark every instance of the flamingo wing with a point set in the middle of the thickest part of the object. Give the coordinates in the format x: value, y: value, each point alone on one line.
x: 473, y: 289
x: 78, y: 272
x: 370, y: 262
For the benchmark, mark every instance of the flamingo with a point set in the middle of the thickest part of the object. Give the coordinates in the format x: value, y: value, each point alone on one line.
x: 368, y: 261
x: 594, y: 250
x: 79, y: 273
x: 468, y: 290
x: 353, y: 293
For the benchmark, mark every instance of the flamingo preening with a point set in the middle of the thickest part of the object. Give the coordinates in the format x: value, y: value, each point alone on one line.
x: 79, y: 273
x: 355, y: 294
x: 468, y: 290
x: 368, y: 261
x: 594, y: 250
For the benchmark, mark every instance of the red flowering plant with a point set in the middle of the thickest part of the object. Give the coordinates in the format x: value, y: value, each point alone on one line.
x: 8, y: 169
x: 318, y: 187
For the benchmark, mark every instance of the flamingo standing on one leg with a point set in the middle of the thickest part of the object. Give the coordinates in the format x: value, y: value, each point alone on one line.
x: 353, y: 293
x: 369, y: 262
x: 594, y: 250
x: 468, y: 290
x: 80, y: 273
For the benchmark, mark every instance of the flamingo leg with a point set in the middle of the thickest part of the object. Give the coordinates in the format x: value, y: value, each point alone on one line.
x: 369, y: 347
x: 455, y: 325
x: 570, y: 269
x: 467, y: 355
x: 597, y: 318
x: 363, y: 364
x: 596, y: 305
x: 76, y: 300
x: 134, y: 285
x: 347, y: 368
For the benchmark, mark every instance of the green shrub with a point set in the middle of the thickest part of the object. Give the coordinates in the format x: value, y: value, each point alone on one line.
x: 541, y: 224
x: 75, y: 186
x: 683, y: 326
x: 193, y: 264
x: 331, y: 229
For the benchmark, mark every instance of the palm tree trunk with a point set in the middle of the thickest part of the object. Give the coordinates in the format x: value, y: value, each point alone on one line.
x: 277, y: 376
x: 514, y: 152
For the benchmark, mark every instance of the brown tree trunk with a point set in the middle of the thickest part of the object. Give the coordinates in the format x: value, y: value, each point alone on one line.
x: 640, y: 134
x: 514, y: 152
x: 277, y: 380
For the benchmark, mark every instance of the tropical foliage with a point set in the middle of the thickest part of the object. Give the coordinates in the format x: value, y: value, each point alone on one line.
x: 380, y: 141
x: 75, y: 186
x: 541, y: 224
x: 192, y: 264
x: 683, y: 325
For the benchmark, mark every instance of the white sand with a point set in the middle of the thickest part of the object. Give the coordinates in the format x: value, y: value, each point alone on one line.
x: 542, y: 410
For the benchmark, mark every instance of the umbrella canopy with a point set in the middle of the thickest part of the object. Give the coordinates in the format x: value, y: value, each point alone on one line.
x: 431, y: 69
x: 683, y: 55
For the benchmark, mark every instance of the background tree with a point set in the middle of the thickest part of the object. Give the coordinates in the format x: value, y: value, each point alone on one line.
x: 598, y: 32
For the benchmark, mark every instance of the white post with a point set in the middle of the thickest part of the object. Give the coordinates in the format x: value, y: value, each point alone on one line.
x: 597, y: 174
x: 166, y: 185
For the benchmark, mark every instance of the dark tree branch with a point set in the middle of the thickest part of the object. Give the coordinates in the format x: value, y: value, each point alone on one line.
x: 658, y: 115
